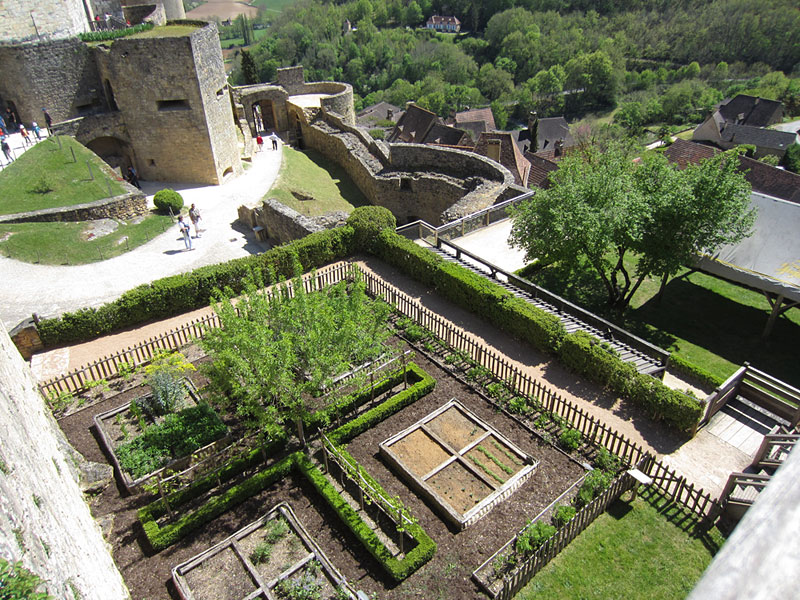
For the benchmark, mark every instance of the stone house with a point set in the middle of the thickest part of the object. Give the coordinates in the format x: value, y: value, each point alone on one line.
x: 444, y: 24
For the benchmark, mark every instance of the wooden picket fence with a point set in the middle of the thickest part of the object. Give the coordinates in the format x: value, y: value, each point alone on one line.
x: 75, y: 381
x: 594, y: 431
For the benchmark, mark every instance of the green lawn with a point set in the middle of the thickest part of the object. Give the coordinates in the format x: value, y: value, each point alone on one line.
x: 165, y: 31
x: 275, y: 6
x: 713, y: 324
x: 67, y: 243
x: 48, y: 166
x: 650, y: 550
x: 257, y: 35
x: 310, y: 174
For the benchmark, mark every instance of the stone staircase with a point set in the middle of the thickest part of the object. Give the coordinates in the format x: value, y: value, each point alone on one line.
x: 572, y: 323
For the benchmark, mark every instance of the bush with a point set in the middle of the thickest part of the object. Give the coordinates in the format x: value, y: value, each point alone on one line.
x: 563, y: 514
x: 181, y: 293
x: 168, y: 201
x: 791, y: 160
x: 367, y: 222
x: 596, y: 481
x: 17, y: 583
x: 570, y: 439
x: 377, y: 134
x: 532, y: 537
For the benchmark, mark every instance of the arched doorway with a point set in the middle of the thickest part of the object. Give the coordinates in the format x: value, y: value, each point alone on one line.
x: 116, y: 152
x: 263, y: 116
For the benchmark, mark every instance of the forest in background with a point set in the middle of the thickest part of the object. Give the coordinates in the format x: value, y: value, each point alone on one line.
x: 658, y: 61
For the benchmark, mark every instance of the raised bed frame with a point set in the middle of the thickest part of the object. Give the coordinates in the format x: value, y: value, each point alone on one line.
x: 264, y: 588
x: 499, y: 492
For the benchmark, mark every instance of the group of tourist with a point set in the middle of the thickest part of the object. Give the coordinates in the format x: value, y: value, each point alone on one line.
x: 183, y: 226
x: 9, y: 124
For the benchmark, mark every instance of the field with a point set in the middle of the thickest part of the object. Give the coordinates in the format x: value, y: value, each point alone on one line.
x: 224, y: 9
x: 47, y: 176
x: 313, y: 185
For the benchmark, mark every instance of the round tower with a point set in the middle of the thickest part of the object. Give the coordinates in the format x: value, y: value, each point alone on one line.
x: 174, y: 9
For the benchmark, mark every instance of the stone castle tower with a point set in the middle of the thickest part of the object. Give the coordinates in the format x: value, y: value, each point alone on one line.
x: 160, y: 104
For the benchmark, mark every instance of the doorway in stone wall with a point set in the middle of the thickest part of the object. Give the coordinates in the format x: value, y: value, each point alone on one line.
x: 114, y: 151
x: 263, y: 116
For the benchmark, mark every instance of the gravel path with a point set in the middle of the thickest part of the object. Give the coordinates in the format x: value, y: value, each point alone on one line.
x: 51, y: 290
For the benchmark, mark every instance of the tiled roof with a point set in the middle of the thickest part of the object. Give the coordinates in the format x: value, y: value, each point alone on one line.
x: 755, y: 112
x: 510, y: 156
x: 440, y: 20
x: 413, y: 126
x: 683, y: 152
x: 446, y: 135
x: 551, y: 129
x: 477, y: 114
x: 764, y: 178
x: 379, y: 112
x: 758, y: 136
x: 541, y: 168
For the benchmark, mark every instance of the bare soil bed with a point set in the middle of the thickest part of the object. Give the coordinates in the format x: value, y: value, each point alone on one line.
x: 447, y: 575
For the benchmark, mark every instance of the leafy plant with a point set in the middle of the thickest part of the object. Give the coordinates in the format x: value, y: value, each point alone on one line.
x: 126, y: 369
x: 496, y: 390
x: 163, y: 375
x: 17, y: 583
x: 275, y: 530
x: 596, y: 481
x: 532, y: 537
x: 607, y: 461
x: 261, y: 553
x: 570, y: 439
x: 305, y: 587
x: 414, y: 333
x: 59, y: 401
x: 488, y: 454
x: 563, y: 514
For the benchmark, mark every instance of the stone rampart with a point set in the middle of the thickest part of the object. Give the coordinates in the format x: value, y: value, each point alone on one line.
x: 283, y: 224
x: 25, y: 21
x: 60, y: 76
x: 291, y: 79
x: 124, y: 207
x: 44, y: 520
x: 140, y: 13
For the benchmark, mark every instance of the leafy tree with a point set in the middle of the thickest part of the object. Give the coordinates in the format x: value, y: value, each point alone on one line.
x: 602, y: 206
x: 494, y: 82
x: 791, y: 160
x: 412, y: 15
x: 249, y: 71
x: 275, y: 352
x: 631, y: 115
x: 500, y: 114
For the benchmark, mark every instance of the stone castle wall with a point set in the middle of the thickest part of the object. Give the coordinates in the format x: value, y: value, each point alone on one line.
x: 44, y: 520
x: 283, y: 224
x: 123, y: 207
x: 170, y: 118
x: 25, y: 20
x: 60, y: 76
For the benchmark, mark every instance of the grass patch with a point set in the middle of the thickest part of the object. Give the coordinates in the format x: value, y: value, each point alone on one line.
x: 653, y: 550
x: 66, y: 243
x: 239, y: 41
x: 711, y: 323
x: 165, y: 31
x: 46, y: 166
x: 274, y: 6
x: 312, y: 175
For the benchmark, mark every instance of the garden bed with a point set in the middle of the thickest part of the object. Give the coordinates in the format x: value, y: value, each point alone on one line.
x: 458, y: 462
x: 265, y: 559
x: 195, y: 427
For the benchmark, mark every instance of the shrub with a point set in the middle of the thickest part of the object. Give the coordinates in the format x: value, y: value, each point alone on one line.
x: 17, y: 583
x: 261, y: 553
x: 563, y: 514
x: 570, y: 439
x: 596, y: 481
x: 532, y: 537
x: 367, y: 222
x: 168, y: 201
x: 377, y: 134
x: 607, y: 461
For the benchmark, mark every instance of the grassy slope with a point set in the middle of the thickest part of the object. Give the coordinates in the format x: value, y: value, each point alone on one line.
x: 64, y: 243
x: 647, y: 552
x: 69, y: 180
x: 712, y: 323
x: 273, y: 6
x: 311, y: 174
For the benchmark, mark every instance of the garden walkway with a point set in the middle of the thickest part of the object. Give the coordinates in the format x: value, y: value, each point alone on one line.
x: 705, y: 460
x: 50, y: 290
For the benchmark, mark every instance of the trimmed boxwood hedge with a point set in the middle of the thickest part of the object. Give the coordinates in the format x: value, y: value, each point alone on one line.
x: 163, y: 537
x: 578, y: 351
x: 178, y: 294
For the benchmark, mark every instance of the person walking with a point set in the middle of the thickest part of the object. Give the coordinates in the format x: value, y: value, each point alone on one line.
x: 259, y: 142
x: 26, y: 138
x: 275, y: 139
x: 11, y: 121
x: 6, y: 150
x: 133, y: 178
x: 48, y: 120
x: 194, y: 216
x: 37, y: 131
x: 184, y: 227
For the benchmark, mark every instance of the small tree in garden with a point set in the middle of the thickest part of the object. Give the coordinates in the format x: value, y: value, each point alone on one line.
x: 276, y: 351
x: 164, y: 375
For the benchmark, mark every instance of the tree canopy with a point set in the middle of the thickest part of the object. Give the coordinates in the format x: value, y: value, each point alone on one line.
x: 276, y: 351
x: 603, y: 208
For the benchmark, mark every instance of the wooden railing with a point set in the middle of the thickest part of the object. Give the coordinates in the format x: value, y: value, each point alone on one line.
x: 75, y: 381
x: 563, y: 536
x: 762, y: 389
x: 783, y: 442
